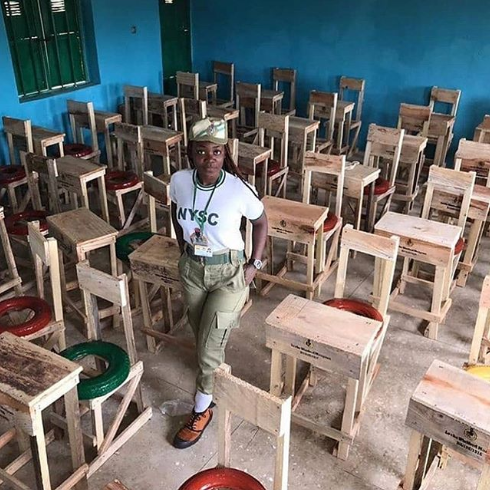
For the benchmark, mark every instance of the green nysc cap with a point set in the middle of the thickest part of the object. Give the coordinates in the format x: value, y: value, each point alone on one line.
x: 212, y: 129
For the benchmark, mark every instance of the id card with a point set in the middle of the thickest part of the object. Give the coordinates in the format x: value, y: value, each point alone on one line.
x: 200, y: 245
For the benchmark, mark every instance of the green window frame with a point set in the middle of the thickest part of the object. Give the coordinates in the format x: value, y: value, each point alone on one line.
x: 46, y: 44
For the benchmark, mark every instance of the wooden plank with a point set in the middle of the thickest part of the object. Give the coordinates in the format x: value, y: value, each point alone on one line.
x: 115, y: 485
x: 377, y: 246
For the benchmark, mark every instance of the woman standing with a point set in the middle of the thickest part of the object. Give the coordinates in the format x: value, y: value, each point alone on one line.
x: 208, y: 203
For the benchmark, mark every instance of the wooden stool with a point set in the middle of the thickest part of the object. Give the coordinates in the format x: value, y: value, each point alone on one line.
x: 429, y: 242
x: 445, y: 96
x: 411, y: 162
x: 414, y: 119
x: 187, y: 85
x: 271, y: 101
x: 343, y: 121
x: 295, y: 222
x: 9, y: 277
x: 441, y: 134
x: 73, y: 176
x: 326, y: 172
x: 32, y: 379
x: 160, y: 141
x: 482, y: 131
x: 357, y: 85
x: 249, y: 158
x: 273, y: 127
x: 155, y: 262
x: 82, y: 116
x: 44, y: 138
x: 448, y: 415
x: 346, y: 344
x: 96, y: 284
x: 164, y: 108
x: 12, y: 176
x: 157, y: 190
x: 103, y: 122
x: 481, y: 340
x: 79, y: 232
x: 135, y: 105
x: 383, y: 151
x: 248, y: 97
x: 302, y: 138
x: 323, y: 107
x: 207, y: 89
x: 266, y: 411
x: 286, y: 76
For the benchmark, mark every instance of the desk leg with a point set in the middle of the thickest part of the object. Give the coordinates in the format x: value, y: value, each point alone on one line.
x: 276, y: 373
x: 340, y: 135
x: 233, y: 128
x: 484, y: 481
x: 39, y: 455
x: 108, y: 146
x: 437, y: 299
x: 310, y: 269
x: 411, y: 186
x: 471, y: 252
x: 348, y: 417
x: 103, y: 199
x: 439, y: 151
x: 178, y: 156
x: 370, y: 210
x: 75, y: 434
x: 416, y: 462
x: 289, y: 383
x: 347, y: 132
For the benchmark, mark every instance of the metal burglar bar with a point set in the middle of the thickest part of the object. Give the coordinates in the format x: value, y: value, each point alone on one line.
x: 46, y: 44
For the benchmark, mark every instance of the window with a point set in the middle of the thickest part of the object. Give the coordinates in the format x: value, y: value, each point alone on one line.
x: 46, y: 45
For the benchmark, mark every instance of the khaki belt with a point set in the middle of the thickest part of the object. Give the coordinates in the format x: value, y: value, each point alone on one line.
x: 218, y: 259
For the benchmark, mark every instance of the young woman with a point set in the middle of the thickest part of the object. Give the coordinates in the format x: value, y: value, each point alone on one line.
x: 208, y: 203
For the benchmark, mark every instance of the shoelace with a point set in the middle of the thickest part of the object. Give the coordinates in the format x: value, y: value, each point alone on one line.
x: 196, y: 417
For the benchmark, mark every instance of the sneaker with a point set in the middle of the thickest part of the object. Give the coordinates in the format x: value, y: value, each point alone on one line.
x: 193, y: 429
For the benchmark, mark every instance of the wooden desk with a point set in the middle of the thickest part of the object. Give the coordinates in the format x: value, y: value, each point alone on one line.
x: 160, y: 105
x: 249, y: 156
x: 228, y: 114
x: 103, y: 121
x: 478, y: 212
x: 206, y: 89
x: 343, y: 120
x: 302, y: 132
x: 44, y: 138
x: 31, y: 379
x: 441, y: 133
x: 301, y: 223
x: 73, y: 176
x: 448, y: 414
x: 271, y: 101
x: 356, y: 180
x: 429, y: 242
x: 410, y: 166
x: 342, y: 345
x: 159, y: 141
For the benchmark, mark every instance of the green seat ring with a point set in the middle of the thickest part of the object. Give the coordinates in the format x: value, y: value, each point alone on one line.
x: 117, y: 371
x: 124, y: 243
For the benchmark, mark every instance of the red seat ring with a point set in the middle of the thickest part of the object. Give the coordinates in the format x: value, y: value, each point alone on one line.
x: 355, y: 306
x: 330, y: 222
x: 15, y: 225
x: 460, y: 246
x: 11, y: 173
x: 218, y: 478
x: 381, y: 186
x: 41, y: 318
x: 120, y: 179
x: 77, y: 150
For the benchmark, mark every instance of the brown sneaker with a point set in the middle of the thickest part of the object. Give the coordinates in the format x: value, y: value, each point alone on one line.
x: 193, y: 429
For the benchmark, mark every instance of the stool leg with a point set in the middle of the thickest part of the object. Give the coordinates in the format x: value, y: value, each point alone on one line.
x: 437, y: 299
x: 289, y: 382
x: 145, y: 308
x: 39, y: 455
x: 276, y: 373
x: 414, y: 455
x: 348, y: 417
x: 484, y: 482
x: 75, y: 434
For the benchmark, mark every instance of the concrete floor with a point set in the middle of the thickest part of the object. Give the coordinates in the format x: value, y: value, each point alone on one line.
x: 377, y: 460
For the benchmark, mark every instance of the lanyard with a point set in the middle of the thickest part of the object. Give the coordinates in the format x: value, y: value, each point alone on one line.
x: 201, y: 221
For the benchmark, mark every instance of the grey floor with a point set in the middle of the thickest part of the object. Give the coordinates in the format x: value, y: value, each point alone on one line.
x: 377, y: 460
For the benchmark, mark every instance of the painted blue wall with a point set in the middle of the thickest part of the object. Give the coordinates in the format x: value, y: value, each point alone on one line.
x: 122, y: 58
x: 400, y: 48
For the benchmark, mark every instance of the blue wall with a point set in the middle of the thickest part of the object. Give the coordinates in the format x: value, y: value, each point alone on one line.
x: 123, y: 58
x: 400, y: 48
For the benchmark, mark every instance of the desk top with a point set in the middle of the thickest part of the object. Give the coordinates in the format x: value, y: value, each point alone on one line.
x: 455, y: 393
x: 474, y: 153
x: 303, y: 123
x: 158, y: 250
x: 78, y: 167
x: 480, y: 203
x: 39, y: 133
x: 412, y: 148
x: 31, y: 375
x: 107, y: 117
x: 273, y: 95
x: 226, y: 113
x: 208, y: 85
x: 155, y: 133
x: 311, y: 326
x: 422, y: 230
x: 440, y: 124
x: 343, y: 108
x: 81, y: 226
x: 255, y: 153
x: 284, y: 213
x: 362, y: 173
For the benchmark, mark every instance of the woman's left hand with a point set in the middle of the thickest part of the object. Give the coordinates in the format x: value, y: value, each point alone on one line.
x: 249, y: 271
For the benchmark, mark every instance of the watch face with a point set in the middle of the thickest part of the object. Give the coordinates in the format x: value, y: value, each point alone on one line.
x: 257, y: 264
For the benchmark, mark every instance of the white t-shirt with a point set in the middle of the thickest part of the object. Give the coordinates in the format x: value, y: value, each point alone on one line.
x: 232, y: 199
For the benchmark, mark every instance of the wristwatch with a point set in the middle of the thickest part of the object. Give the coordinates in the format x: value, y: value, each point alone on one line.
x: 256, y: 263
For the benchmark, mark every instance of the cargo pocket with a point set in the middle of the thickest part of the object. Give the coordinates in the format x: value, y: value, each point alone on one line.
x: 226, y: 321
